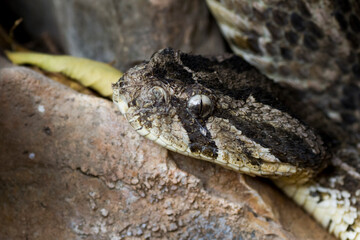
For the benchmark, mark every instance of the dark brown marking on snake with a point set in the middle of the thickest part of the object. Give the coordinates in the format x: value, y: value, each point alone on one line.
x: 271, y: 48
x: 286, y: 53
x: 321, y: 198
x: 198, y: 142
x: 303, y: 73
x: 254, y: 45
x: 270, y: 68
x: 297, y: 22
x: 242, y: 7
x: 351, y: 97
x: 197, y: 63
x: 356, y: 70
x: 235, y: 64
x: 352, y: 184
x: 329, y: 224
x: 145, y: 121
x: 350, y: 228
x: 231, y: 67
x: 343, y: 5
x: 341, y: 20
x: 315, y: 30
x: 249, y: 154
x: 348, y: 118
x: 314, y: 193
x: 351, y: 57
x: 352, y: 39
x: 275, y: 32
x: 259, y: 15
x: 303, y: 8
x: 243, y: 92
x: 343, y: 65
x: 354, y: 23
x: 310, y: 42
x: 292, y: 37
x: 166, y: 68
x: 239, y: 42
x: 280, y: 17
x: 284, y: 70
x: 288, y: 147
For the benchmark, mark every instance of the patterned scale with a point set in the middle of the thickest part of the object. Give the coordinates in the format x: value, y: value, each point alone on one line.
x: 313, y: 46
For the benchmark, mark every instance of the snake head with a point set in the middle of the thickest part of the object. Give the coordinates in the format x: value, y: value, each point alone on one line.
x: 221, y: 111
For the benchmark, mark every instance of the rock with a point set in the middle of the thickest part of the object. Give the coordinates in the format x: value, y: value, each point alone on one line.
x: 126, y: 32
x: 72, y: 167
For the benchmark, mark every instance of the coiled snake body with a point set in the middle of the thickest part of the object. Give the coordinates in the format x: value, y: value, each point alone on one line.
x: 303, y: 131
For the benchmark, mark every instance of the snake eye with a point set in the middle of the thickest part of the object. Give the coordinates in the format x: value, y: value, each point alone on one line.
x: 200, y: 105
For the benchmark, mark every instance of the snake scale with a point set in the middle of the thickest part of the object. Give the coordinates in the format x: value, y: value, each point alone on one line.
x: 300, y: 125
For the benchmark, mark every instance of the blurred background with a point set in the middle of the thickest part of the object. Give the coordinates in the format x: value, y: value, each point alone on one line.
x: 124, y: 32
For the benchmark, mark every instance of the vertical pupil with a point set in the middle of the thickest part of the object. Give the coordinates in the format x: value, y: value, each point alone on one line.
x: 196, y: 109
x: 200, y: 107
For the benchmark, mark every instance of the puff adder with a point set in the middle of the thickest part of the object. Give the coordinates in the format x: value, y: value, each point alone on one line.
x: 300, y: 125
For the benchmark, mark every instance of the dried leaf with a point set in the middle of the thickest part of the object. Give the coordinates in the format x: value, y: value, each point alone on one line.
x: 90, y: 73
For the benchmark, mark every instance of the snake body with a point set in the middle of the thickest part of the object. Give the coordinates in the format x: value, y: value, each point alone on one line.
x: 303, y: 131
x: 313, y: 46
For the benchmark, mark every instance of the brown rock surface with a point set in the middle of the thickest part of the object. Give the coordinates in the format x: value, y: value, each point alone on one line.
x: 72, y: 167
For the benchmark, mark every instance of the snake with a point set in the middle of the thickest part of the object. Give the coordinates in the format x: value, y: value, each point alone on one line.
x: 286, y: 108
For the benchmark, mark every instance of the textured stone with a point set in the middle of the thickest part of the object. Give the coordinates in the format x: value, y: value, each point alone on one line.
x: 72, y: 167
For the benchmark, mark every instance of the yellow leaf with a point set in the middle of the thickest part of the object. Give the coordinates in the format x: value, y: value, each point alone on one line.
x: 90, y: 73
